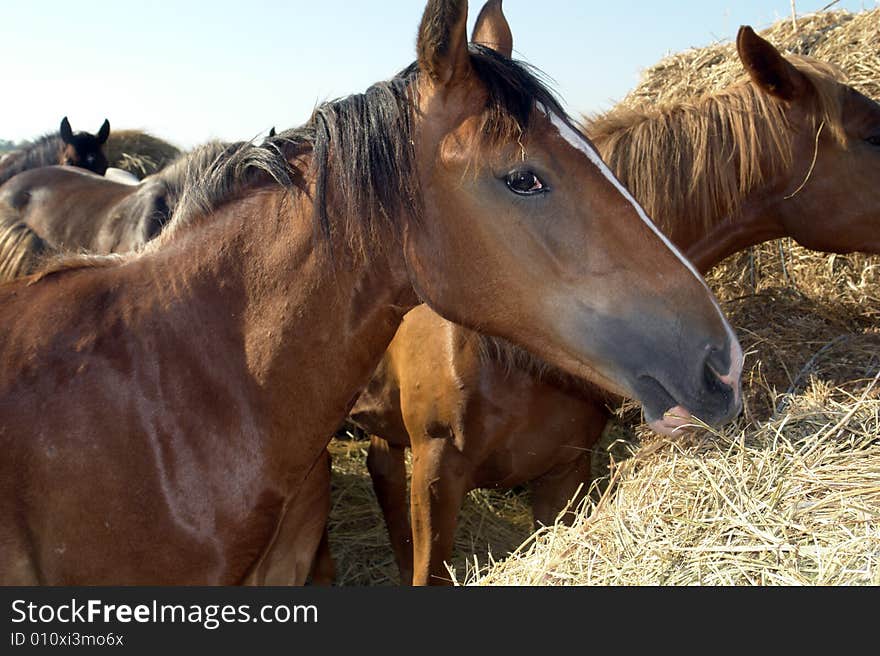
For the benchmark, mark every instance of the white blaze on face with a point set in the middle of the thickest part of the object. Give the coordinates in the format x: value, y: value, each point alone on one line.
x: 578, y: 141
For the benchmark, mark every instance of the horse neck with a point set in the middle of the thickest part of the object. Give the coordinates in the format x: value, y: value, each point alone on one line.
x: 705, y: 224
x: 313, y: 327
x: 754, y: 222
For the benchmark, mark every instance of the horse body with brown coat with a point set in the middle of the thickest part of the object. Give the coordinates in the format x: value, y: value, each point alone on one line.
x: 718, y: 174
x: 195, y: 384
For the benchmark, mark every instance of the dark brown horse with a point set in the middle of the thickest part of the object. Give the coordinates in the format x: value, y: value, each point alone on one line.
x: 69, y: 148
x: 160, y: 411
x: 75, y: 210
x: 790, y: 152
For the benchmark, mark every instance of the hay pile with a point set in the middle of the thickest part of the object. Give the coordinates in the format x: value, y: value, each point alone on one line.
x: 790, y: 494
x: 796, y: 501
x: 139, y: 153
x: 849, y: 41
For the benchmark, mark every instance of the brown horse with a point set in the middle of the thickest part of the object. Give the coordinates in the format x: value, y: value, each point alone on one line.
x: 87, y: 212
x: 161, y: 410
x: 80, y: 149
x: 718, y: 174
x: 75, y: 210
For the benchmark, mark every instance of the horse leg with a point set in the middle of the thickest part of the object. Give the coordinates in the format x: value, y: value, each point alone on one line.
x: 387, y: 466
x: 440, y: 480
x: 561, y: 488
x: 292, y: 554
x: 324, y: 567
x: 323, y: 571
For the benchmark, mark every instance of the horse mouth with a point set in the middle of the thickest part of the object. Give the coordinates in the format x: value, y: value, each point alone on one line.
x: 674, y: 422
x: 668, y: 415
x: 664, y: 414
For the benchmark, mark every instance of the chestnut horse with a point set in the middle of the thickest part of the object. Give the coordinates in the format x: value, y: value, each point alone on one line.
x: 160, y: 410
x: 718, y: 174
x: 75, y: 210
x: 81, y: 149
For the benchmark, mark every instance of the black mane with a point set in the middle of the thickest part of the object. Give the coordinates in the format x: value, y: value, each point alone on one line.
x: 362, y: 146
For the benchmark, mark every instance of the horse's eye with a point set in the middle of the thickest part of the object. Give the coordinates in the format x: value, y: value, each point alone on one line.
x: 525, y: 183
x: 874, y: 140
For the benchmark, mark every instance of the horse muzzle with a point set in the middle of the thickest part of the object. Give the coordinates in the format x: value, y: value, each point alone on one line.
x: 716, y: 400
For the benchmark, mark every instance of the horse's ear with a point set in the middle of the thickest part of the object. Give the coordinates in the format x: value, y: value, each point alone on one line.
x: 442, y: 43
x: 492, y: 30
x: 104, y: 132
x: 66, y: 132
x: 272, y: 131
x: 768, y: 68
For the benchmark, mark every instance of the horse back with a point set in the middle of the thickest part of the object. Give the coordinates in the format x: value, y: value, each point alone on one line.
x: 69, y: 207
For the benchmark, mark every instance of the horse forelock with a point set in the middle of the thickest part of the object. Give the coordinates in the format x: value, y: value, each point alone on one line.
x: 713, y: 150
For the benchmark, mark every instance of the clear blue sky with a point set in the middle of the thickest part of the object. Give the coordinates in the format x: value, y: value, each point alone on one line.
x: 192, y: 71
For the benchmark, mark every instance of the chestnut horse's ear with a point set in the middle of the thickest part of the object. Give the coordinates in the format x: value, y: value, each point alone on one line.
x: 66, y: 132
x: 768, y: 68
x: 104, y: 132
x: 442, y: 44
x: 492, y: 30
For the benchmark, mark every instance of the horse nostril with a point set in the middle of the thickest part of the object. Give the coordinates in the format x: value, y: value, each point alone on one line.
x: 716, y: 369
x: 718, y: 361
x: 712, y: 381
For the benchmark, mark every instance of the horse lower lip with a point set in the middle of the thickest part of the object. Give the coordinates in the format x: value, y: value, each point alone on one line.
x: 677, y: 422
x: 655, y: 396
x: 673, y: 420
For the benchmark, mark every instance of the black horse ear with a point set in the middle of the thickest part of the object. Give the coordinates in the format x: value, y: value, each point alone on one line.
x: 104, y: 132
x: 66, y: 132
x: 272, y: 131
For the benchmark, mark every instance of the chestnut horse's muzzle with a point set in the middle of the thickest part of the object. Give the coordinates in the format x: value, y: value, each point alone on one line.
x: 713, y: 399
x: 684, y: 367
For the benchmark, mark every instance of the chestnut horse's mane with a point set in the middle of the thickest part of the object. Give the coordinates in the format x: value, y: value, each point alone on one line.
x: 695, y: 160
